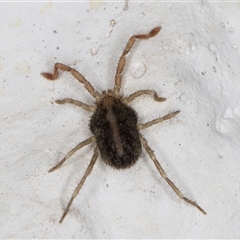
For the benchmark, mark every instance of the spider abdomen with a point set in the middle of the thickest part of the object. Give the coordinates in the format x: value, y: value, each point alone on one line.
x: 114, y: 125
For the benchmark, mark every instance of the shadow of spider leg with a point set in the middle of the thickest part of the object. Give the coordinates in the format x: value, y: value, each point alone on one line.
x: 80, y: 184
x: 158, y: 165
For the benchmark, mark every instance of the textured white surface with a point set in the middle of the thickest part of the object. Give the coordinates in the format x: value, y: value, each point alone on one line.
x: 194, y: 62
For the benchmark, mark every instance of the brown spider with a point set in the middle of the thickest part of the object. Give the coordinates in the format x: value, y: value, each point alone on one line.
x: 114, y: 124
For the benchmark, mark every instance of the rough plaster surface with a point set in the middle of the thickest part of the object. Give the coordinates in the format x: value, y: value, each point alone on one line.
x: 194, y: 62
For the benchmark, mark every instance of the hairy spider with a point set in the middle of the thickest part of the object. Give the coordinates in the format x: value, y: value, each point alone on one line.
x: 114, y: 124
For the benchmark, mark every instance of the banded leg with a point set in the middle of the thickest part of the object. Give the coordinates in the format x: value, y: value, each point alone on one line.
x: 80, y: 184
x: 122, y: 59
x: 165, y: 177
x: 85, y: 106
x: 76, y: 74
x: 157, y: 120
x: 139, y: 93
x: 79, y: 146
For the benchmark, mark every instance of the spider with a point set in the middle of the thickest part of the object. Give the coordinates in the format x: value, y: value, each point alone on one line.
x: 114, y: 124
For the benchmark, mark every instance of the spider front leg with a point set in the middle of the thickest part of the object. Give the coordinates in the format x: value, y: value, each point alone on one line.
x: 165, y: 177
x: 76, y: 74
x: 122, y: 59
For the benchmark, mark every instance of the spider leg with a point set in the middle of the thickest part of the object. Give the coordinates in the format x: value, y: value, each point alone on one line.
x: 139, y: 93
x: 85, y: 106
x: 157, y: 120
x: 76, y: 74
x: 80, y: 184
x: 79, y: 146
x: 122, y: 59
x: 165, y: 177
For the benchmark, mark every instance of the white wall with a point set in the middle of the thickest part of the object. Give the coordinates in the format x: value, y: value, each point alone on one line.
x: 194, y: 62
